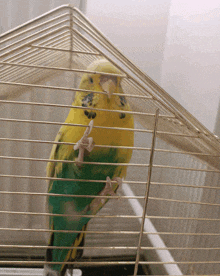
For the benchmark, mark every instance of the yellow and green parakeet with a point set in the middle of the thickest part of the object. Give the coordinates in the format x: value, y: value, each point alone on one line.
x: 103, y: 78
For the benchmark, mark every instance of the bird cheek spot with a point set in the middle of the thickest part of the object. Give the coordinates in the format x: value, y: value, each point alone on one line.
x: 93, y: 115
x: 86, y: 113
x: 122, y: 115
x: 90, y: 114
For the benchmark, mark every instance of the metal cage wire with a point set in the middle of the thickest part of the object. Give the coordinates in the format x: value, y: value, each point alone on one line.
x: 167, y: 217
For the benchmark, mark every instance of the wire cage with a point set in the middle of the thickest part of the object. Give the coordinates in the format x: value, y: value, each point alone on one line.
x: 165, y: 218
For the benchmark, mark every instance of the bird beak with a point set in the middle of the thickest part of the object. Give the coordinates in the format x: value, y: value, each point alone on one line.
x: 109, y: 86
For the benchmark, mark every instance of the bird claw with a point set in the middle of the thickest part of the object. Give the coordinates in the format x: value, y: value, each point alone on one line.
x: 108, y: 190
x: 84, y: 143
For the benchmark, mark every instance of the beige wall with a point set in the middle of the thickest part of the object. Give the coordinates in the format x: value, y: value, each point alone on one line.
x: 17, y: 12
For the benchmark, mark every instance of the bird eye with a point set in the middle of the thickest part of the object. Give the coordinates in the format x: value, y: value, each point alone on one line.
x: 91, y: 80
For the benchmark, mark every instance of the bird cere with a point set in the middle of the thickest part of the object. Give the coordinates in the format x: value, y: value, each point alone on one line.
x: 102, y: 147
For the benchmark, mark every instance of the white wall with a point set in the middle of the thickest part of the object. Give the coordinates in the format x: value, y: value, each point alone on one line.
x: 138, y: 28
x: 16, y: 12
x: 191, y: 65
x: 175, y: 42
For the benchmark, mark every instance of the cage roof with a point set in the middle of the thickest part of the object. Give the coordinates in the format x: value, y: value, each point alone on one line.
x: 64, y: 40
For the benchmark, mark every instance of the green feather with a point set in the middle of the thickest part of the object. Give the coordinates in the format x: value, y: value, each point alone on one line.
x: 76, y: 205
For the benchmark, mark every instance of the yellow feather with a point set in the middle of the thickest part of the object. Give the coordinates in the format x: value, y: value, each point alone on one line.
x: 101, y: 136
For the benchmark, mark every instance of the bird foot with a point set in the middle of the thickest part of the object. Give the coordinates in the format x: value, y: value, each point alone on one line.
x: 108, y: 190
x: 84, y: 143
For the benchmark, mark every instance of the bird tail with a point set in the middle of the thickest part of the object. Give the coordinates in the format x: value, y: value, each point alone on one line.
x: 75, y: 253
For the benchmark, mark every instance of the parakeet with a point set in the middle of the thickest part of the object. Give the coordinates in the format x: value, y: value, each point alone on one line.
x: 86, y: 149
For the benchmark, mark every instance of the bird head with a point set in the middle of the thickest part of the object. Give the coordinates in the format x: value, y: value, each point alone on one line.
x: 104, y: 77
